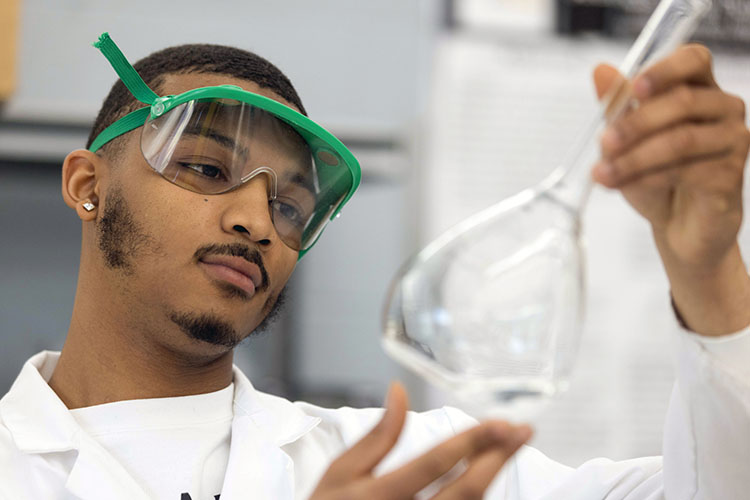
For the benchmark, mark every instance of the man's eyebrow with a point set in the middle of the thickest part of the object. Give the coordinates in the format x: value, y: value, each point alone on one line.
x: 297, y: 177
x: 302, y: 180
x: 220, y: 139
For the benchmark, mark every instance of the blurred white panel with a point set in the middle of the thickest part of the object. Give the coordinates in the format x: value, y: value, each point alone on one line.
x: 502, y: 117
x: 536, y: 15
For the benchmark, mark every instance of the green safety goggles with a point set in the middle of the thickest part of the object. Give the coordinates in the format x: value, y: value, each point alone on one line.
x: 212, y: 140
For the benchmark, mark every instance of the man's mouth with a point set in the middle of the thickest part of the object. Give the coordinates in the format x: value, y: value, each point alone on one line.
x: 233, y: 270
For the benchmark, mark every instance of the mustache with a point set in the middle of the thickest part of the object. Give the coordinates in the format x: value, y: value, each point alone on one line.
x: 236, y: 250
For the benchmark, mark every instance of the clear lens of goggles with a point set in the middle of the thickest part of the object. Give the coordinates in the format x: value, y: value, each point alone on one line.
x: 212, y: 146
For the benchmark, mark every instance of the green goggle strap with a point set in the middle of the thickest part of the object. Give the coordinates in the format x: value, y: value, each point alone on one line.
x: 129, y: 122
x: 134, y: 83
x: 125, y: 70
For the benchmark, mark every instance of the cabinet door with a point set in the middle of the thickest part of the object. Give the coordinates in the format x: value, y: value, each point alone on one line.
x: 9, y: 21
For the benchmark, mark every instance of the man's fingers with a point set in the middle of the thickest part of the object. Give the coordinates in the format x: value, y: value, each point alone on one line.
x: 711, y: 177
x: 475, y: 480
x: 488, y: 445
x: 689, y: 63
x: 369, y: 451
x: 417, y: 474
x: 676, y: 146
x: 713, y: 183
x: 681, y: 104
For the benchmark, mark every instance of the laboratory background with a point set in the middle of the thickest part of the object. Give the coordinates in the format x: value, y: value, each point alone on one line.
x: 449, y: 105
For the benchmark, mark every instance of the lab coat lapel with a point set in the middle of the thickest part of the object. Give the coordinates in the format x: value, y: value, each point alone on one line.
x: 96, y: 475
x: 41, y: 423
x: 258, y: 468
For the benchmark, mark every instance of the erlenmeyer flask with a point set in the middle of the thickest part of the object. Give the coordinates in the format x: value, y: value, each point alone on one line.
x: 492, y: 310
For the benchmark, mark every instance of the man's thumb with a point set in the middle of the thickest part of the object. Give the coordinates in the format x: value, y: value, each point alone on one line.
x: 604, y: 77
x: 361, y: 458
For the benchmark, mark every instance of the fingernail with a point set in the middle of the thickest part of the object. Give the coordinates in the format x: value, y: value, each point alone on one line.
x: 611, y: 138
x: 607, y: 171
x: 500, y: 432
x: 388, y: 403
x: 523, y: 433
x: 390, y: 398
x: 642, y: 87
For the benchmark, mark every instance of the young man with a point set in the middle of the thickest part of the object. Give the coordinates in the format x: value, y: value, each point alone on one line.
x: 194, y: 212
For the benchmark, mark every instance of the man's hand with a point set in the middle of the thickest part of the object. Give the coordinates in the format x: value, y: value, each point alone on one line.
x: 485, y: 447
x: 679, y: 159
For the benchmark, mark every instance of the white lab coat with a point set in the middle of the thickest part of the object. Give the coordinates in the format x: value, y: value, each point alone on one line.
x: 280, y: 449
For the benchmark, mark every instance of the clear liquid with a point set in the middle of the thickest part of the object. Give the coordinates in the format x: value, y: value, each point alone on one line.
x: 507, y: 397
x: 493, y: 315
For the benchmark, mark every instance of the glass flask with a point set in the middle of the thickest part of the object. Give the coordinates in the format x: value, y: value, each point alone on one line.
x: 492, y: 310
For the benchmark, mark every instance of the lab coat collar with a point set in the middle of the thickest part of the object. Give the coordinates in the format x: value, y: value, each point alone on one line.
x: 41, y: 423
x: 36, y: 417
x: 280, y: 421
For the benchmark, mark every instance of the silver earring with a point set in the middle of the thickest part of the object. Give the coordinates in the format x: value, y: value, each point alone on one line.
x: 88, y: 206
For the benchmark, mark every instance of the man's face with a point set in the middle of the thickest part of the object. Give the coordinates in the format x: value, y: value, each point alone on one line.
x: 209, y: 268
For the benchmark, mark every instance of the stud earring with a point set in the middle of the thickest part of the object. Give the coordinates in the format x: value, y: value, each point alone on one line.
x: 88, y: 206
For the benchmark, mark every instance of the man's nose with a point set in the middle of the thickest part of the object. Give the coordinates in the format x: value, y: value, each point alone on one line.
x: 248, y: 209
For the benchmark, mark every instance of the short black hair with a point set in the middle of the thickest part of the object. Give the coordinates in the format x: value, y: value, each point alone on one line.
x: 192, y: 58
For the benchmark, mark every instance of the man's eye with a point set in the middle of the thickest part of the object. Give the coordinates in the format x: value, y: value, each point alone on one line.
x: 203, y: 169
x: 289, y: 212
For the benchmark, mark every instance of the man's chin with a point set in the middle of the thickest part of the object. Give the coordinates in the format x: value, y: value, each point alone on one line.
x: 207, y: 328
x: 210, y: 328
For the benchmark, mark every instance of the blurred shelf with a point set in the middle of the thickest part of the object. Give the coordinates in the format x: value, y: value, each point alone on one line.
x: 380, y: 153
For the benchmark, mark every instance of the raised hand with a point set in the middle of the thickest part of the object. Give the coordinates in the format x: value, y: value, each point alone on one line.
x: 679, y: 159
x: 485, y: 447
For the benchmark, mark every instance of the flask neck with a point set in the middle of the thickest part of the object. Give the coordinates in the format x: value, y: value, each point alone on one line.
x: 571, y: 187
x: 571, y: 182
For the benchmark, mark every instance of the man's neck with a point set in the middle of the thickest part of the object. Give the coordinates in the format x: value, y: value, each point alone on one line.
x: 110, y: 357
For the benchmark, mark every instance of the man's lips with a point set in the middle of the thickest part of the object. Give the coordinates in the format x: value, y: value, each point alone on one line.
x: 234, y: 270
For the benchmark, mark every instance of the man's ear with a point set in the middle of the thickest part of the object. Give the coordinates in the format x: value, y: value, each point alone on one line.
x: 81, y: 175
